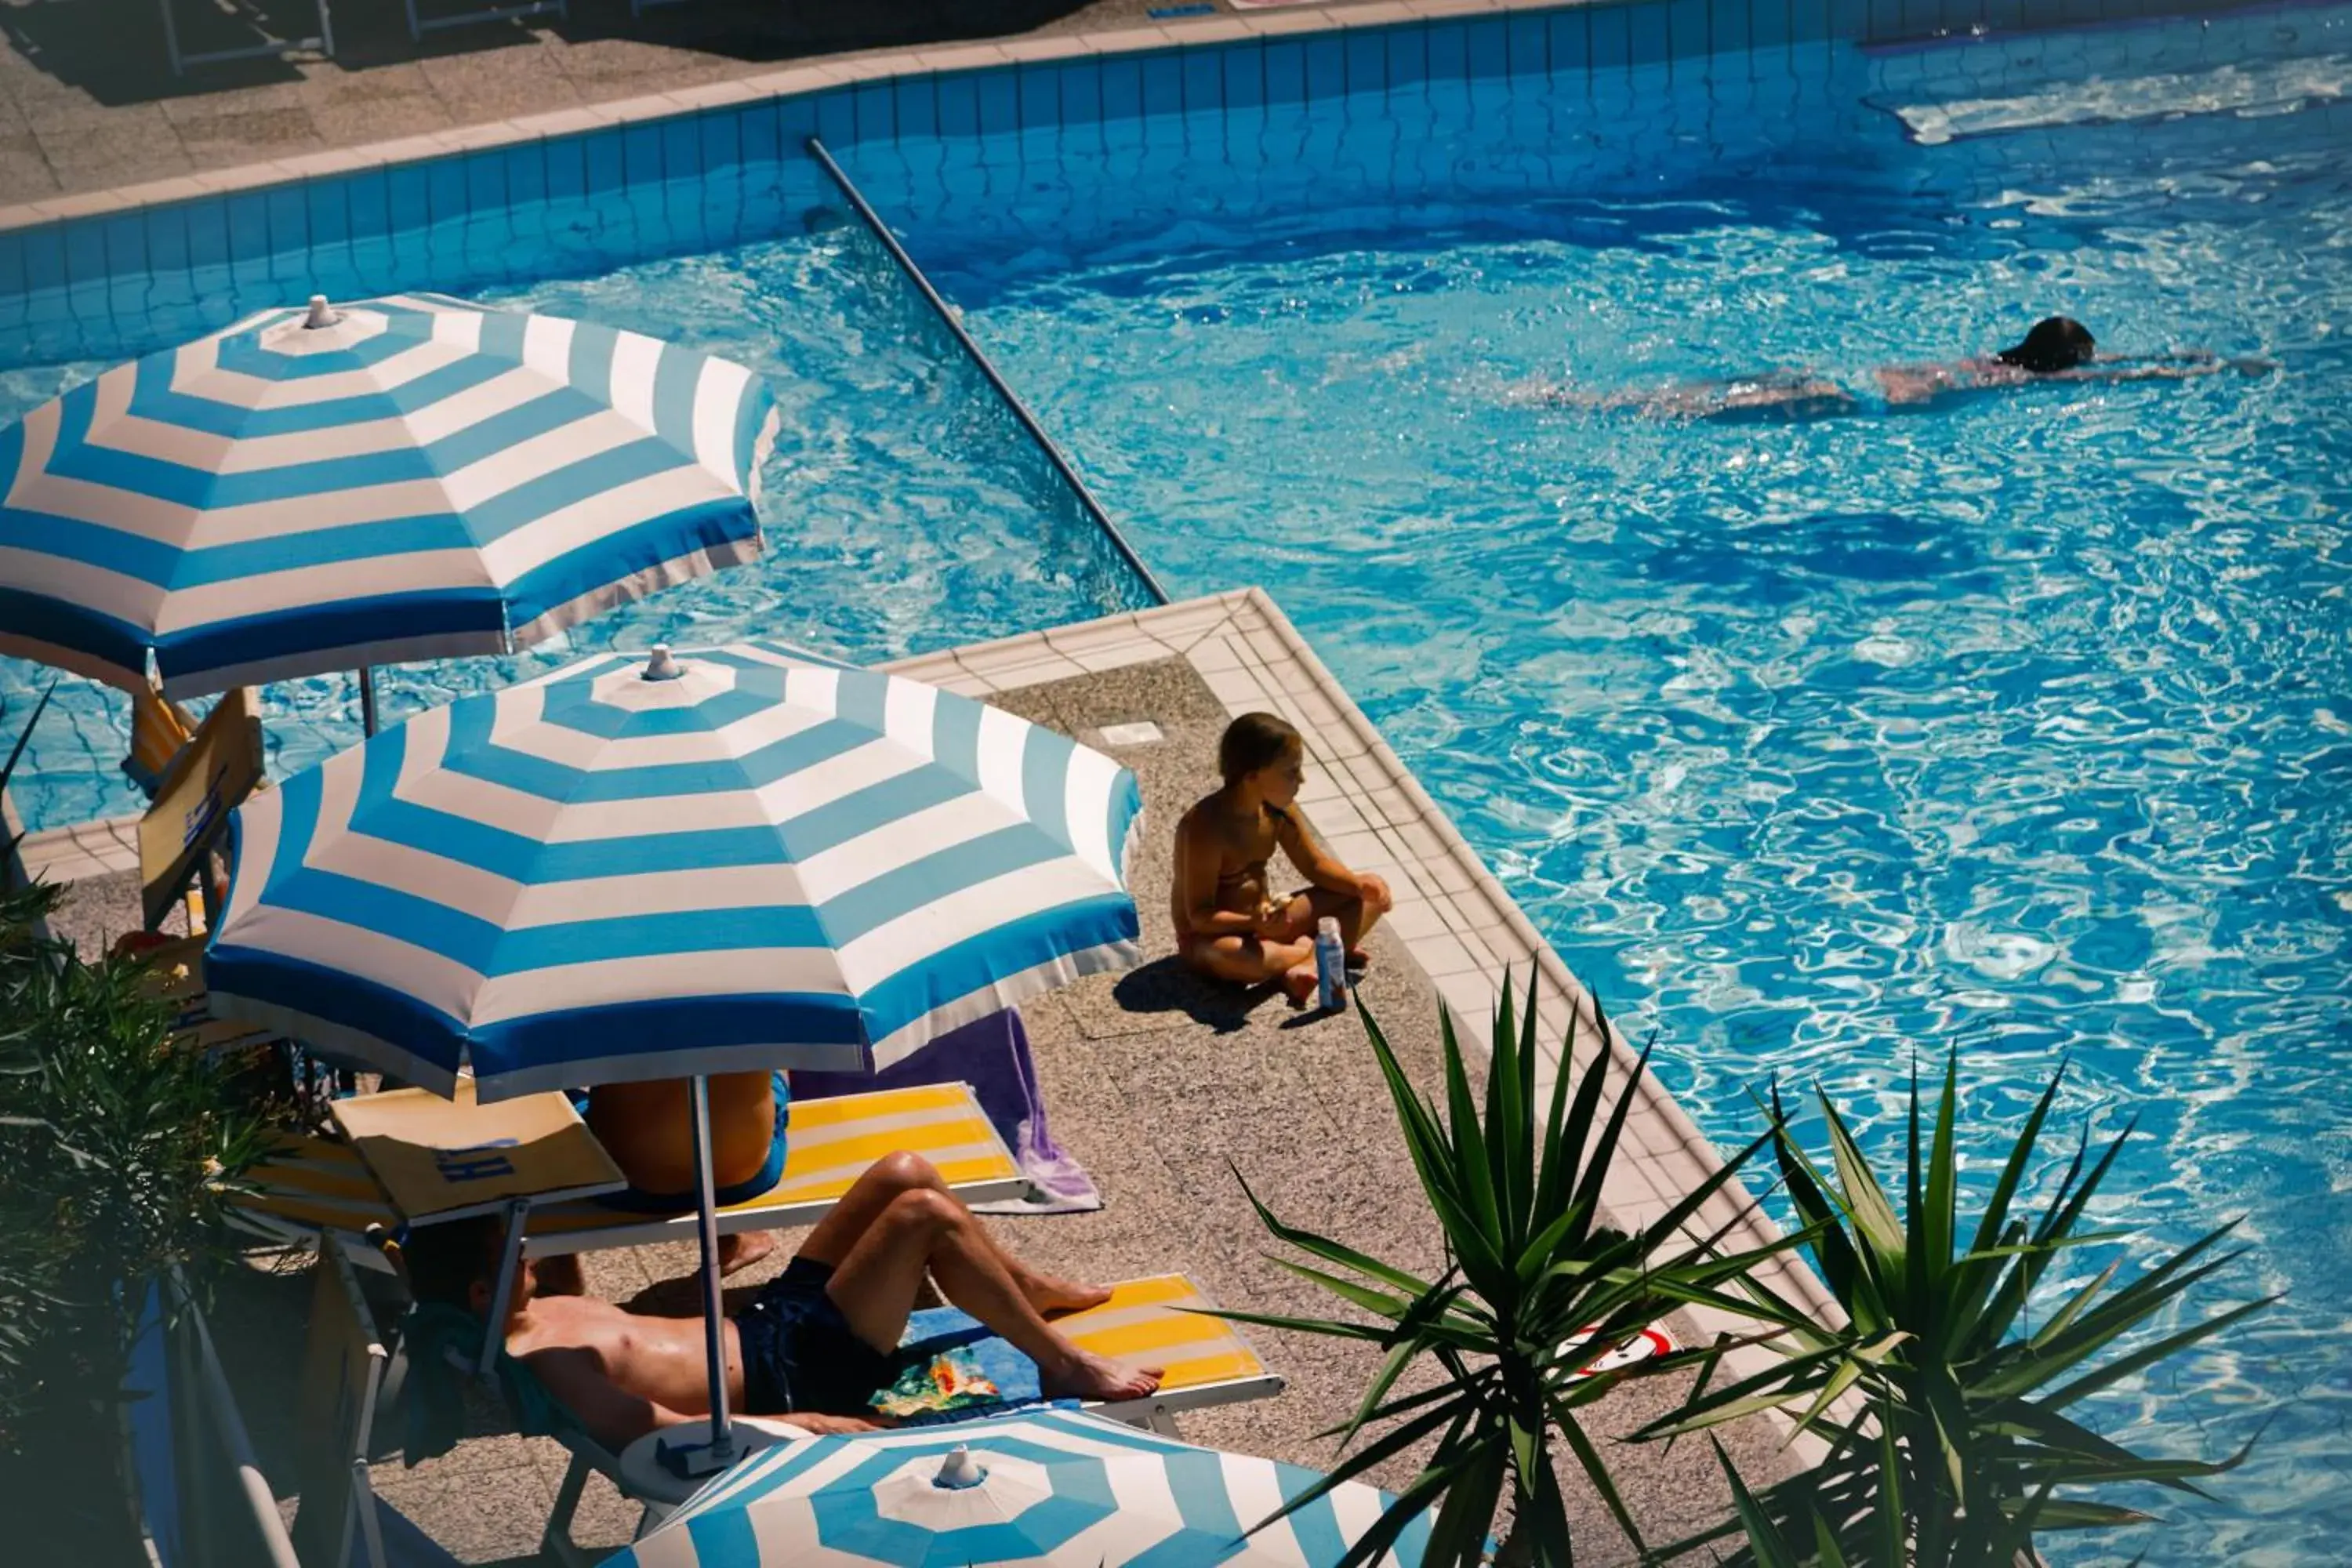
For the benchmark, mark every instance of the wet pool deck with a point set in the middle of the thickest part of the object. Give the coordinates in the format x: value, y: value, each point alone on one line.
x: 1162, y: 1086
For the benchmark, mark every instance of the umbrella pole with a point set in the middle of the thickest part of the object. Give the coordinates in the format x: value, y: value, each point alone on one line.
x: 714, y: 1322
x: 367, y: 700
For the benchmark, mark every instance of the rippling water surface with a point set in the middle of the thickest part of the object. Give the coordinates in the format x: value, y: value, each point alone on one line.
x: 2019, y: 726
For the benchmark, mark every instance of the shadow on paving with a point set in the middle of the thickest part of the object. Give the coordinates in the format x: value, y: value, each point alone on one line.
x: 1166, y: 1087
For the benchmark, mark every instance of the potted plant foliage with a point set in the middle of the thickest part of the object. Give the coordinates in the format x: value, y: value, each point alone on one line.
x: 1538, y: 1288
x: 113, y: 1150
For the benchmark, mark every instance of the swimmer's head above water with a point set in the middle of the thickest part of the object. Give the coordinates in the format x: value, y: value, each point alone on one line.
x: 2056, y: 343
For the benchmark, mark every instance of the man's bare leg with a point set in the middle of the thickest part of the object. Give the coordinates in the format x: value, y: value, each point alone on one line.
x: 924, y: 1230
x: 837, y: 1234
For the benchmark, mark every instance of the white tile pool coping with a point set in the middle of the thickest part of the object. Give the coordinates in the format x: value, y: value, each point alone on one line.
x: 838, y: 71
x: 1452, y: 916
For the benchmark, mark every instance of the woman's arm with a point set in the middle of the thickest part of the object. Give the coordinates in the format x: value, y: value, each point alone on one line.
x: 1318, y: 866
x: 1196, y: 884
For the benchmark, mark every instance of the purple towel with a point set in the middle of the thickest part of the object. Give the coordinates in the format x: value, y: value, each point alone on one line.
x: 992, y: 1056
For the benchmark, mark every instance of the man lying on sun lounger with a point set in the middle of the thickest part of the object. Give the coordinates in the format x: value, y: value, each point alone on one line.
x: 815, y: 1344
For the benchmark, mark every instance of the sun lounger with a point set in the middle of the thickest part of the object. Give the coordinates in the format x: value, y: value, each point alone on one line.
x: 313, y: 1184
x: 1154, y: 1321
x: 210, y: 777
x: 342, y: 1523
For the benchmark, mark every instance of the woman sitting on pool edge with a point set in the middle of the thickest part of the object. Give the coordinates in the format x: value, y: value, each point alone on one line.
x: 1227, y: 925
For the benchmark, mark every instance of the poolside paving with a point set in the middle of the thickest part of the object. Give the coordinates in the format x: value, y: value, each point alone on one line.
x: 79, y: 111
x: 1163, y: 1086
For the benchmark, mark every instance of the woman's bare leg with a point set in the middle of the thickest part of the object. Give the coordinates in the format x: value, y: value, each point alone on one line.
x: 1252, y: 961
x: 837, y: 1234
x: 923, y: 1230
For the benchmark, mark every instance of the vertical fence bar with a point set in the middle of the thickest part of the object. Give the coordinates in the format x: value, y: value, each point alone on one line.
x: 914, y: 274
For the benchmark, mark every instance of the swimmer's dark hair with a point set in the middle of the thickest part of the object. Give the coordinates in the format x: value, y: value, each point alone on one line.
x: 2056, y: 343
x: 1255, y: 741
x: 443, y: 1262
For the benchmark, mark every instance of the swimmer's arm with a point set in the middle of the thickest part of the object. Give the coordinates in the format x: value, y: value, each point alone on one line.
x: 1196, y: 884
x: 2164, y: 367
x: 611, y: 1415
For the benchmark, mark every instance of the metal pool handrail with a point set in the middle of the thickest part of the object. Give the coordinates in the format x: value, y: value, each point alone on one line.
x: 1012, y: 399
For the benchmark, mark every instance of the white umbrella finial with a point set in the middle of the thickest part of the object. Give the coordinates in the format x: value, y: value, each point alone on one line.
x: 661, y: 665
x: 959, y: 1470
x: 321, y: 314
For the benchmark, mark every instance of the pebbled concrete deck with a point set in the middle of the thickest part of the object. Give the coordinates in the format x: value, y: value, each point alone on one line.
x: 1163, y: 1085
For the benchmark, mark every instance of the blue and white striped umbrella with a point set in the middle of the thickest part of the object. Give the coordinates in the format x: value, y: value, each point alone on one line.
x: 765, y: 859
x: 1055, y: 1489
x: 412, y: 477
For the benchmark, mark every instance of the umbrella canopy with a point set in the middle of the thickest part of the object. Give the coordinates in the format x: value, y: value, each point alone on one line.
x: 406, y: 477
x: 740, y: 859
x: 1048, y: 1488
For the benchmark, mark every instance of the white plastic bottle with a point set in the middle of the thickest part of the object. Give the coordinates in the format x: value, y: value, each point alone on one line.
x: 1331, y: 965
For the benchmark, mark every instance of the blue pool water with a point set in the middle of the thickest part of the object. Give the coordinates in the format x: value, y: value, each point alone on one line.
x: 2021, y: 726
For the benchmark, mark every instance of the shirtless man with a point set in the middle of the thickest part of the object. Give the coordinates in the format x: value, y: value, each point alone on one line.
x: 815, y: 1344
x: 1226, y: 925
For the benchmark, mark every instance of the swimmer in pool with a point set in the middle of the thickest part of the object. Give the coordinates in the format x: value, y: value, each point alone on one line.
x: 2058, y: 349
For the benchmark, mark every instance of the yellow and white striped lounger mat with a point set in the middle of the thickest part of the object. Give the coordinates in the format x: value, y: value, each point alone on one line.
x: 829, y: 1145
x: 316, y: 1184
x: 1156, y: 1321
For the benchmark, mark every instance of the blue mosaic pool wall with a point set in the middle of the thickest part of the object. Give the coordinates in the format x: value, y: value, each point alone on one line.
x: 114, y: 285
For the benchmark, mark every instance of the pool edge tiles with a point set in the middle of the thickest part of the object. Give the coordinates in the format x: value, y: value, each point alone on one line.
x: 1460, y: 924
x: 353, y: 215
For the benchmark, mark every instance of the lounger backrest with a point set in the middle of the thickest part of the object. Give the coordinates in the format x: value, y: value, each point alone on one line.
x: 176, y: 973
x: 214, y: 772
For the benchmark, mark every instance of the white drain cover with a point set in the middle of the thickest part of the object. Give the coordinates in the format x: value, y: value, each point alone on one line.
x: 1144, y: 734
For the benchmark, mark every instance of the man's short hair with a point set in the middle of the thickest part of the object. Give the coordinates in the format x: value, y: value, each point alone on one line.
x: 445, y: 1261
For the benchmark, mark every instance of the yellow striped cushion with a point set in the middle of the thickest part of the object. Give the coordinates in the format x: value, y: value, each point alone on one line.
x: 1146, y: 1323
x: 830, y: 1143
x: 316, y: 1184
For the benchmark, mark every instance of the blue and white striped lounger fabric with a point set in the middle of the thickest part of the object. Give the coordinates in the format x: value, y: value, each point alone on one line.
x: 600, y: 876
x: 406, y: 477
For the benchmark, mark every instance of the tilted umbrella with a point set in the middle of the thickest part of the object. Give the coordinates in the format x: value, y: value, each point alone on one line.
x: 406, y: 477
x: 1044, y: 1489
x: 630, y: 869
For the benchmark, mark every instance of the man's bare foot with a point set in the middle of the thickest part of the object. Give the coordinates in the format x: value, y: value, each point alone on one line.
x: 1090, y: 1376
x: 1300, y: 984
x: 1051, y: 1296
x: 744, y: 1249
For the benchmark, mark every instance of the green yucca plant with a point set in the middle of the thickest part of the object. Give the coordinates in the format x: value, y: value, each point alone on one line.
x: 1942, y: 1403
x: 1536, y: 1288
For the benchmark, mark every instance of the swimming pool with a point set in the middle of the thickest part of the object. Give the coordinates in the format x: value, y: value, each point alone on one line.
x: 2019, y: 725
